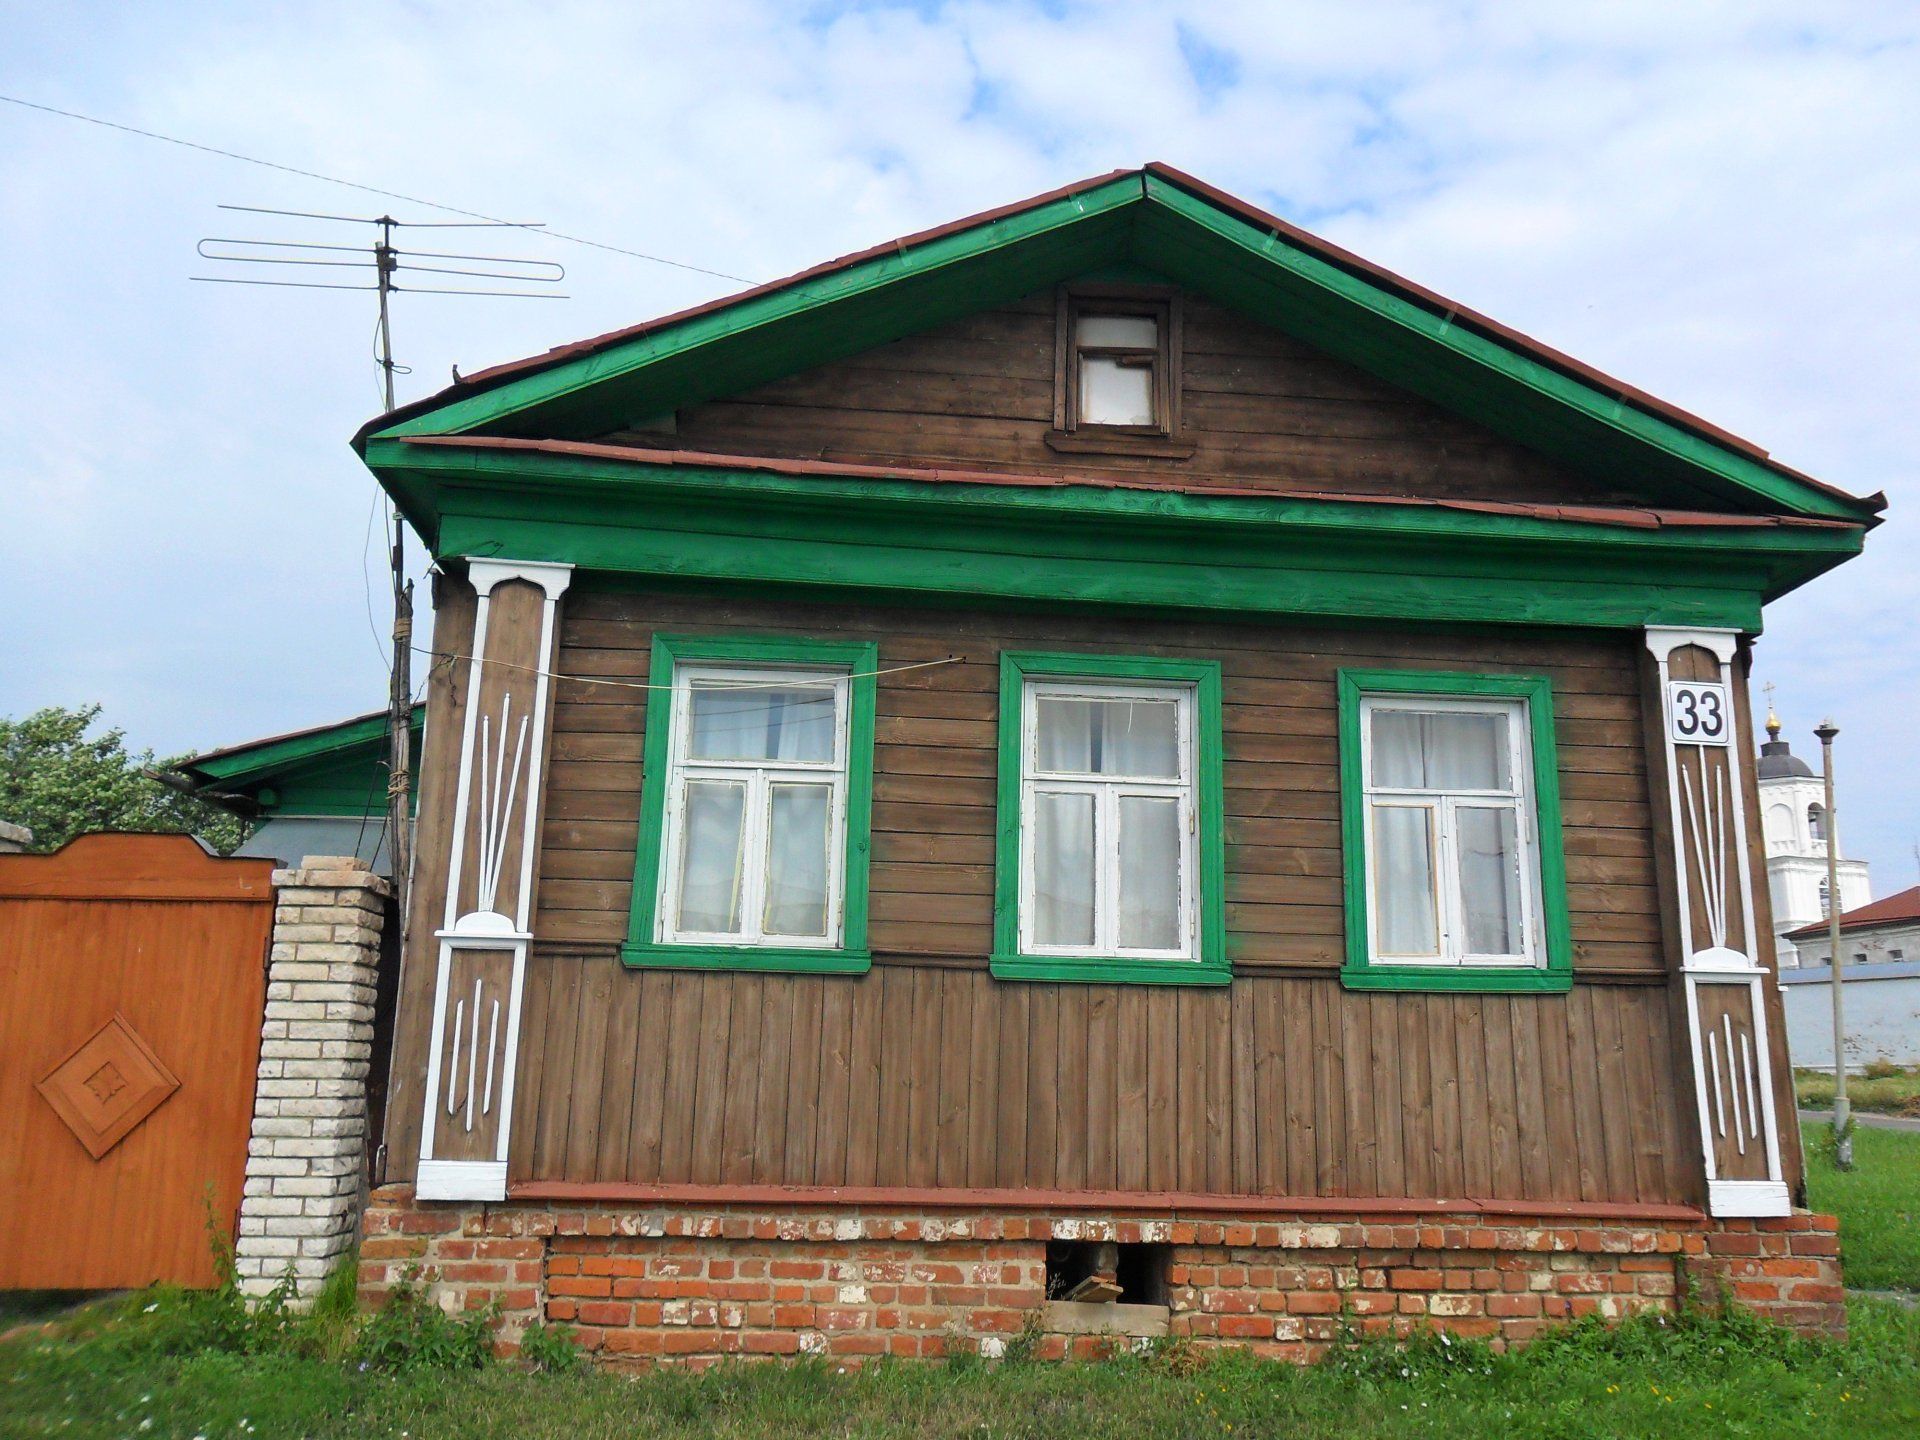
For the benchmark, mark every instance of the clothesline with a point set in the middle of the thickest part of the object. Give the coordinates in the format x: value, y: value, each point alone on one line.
x: 646, y: 685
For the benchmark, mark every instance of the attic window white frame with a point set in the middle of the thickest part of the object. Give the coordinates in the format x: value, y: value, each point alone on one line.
x: 1159, y: 302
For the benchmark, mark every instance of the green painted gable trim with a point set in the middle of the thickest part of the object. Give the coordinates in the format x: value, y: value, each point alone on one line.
x: 333, y: 770
x: 804, y: 324
x: 1142, y: 218
x: 1231, y: 554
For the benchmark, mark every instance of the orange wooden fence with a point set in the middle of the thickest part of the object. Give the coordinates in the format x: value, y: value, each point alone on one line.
x: 132, y: 977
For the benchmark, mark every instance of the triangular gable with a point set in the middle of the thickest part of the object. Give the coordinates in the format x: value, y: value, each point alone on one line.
x: 1204, y: 240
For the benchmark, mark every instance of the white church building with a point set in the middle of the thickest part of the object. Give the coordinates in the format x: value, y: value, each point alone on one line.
x: 1793, y: 825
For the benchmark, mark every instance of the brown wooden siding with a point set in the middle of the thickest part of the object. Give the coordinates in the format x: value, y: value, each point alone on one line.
x: 932, y: 1076
x: 1260, y: 409
x: 928, y: 1071
x: 932, y: 886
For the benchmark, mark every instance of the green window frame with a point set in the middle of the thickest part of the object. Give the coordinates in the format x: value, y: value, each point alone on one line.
x: 1554, y: 972
x: 1210, y: 965
x: 852, y: 955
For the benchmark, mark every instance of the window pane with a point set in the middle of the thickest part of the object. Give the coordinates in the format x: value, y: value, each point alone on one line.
x: 1490, y: 879
x: 710, y: 860
x: 1134, y: 332
x: 1136, y: 738
x: 1440, y: 750
x: 1149, y: 874
x: 797, y: 860
x: 1115, y: 394
x: 766, y: 722
x: 1063, y: 869
x: 1403, y: 880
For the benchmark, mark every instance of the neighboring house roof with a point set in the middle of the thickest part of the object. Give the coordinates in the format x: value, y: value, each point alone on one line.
x: 1894, y: 910
x: 1179, y: 227
x: 331, y: 770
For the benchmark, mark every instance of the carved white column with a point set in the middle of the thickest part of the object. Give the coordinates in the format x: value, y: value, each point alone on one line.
x: 473, y: 1052
x: 1733, y: 1058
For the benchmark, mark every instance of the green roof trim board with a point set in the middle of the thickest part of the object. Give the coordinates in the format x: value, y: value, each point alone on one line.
x: 504, y: 461
x: 606, y: 509
x: 332, y: 770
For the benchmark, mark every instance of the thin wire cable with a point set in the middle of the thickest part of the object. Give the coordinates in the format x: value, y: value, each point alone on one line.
x: 369, y: 189
x: 450, y: 656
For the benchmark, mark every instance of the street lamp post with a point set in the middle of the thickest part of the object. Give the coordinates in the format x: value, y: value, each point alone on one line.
x: 1842, y: 1113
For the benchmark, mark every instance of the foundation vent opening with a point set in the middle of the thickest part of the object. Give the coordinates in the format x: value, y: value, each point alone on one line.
x: 1102, y: 1272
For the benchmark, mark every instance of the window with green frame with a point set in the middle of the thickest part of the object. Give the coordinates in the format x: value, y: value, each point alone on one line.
x: 1109, y: 856
x: 756, y: 807
x: 1450, y: 830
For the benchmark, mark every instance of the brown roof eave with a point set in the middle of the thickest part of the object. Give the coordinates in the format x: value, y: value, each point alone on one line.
x: 1621, y: 516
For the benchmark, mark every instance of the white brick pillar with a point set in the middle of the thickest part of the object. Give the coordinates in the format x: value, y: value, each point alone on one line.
x: 307, y: 1153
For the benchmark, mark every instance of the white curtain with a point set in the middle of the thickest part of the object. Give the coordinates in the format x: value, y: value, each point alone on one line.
x: 797, y: 860
x: 1440, y: 750
x: 1063, y: 869
x: 710, y: 857
x: 762, y: 722
x: 1137, y: 738
x: 1403, y: 880
x: 1490, y: 879
x: 1149, y: 873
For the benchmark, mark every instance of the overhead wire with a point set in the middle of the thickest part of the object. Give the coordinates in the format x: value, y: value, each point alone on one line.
x: 368, y: 189
x: 449, y: 657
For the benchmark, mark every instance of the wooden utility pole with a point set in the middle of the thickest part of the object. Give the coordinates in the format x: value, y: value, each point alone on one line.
x: 1842, y: 1114
x: 400, y: 681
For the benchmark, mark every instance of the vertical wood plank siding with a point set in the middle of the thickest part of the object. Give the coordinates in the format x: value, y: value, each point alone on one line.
x: 929, y: 1071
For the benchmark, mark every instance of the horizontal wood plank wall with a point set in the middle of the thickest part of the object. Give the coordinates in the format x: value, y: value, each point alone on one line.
x: 929, y: 1071
x: 1260, y: 408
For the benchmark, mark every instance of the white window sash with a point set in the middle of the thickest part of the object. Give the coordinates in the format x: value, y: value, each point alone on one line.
x: 1449, y: 877
x: 759, y: 777
x: 1107, y: 791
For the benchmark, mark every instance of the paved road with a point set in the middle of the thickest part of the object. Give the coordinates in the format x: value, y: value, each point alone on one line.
x: 1864, y: 1120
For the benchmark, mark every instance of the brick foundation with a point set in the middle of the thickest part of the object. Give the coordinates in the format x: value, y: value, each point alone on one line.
x: 697, y: 1283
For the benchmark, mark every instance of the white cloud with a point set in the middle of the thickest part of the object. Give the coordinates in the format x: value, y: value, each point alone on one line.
x: 1717, y: 201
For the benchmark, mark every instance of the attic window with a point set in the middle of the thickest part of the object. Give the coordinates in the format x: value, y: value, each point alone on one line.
x: 1117, y: 364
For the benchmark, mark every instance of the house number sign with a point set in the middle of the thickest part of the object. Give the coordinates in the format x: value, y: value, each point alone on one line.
x: 1698, y: 713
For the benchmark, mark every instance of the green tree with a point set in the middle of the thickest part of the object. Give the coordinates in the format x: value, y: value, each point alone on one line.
x: 59, y: 782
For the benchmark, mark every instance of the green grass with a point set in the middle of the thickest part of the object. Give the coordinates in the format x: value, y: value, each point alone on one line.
x: 127, y: 1377
x: 165, y: 1364
x: 1878, y: 1203
x: 1881, y: 1089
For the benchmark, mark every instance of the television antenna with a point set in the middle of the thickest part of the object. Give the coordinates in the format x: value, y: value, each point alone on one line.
x: 382, y: 262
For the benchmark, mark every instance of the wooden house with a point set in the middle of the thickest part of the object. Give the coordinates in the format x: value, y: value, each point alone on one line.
x: 1108, y: 749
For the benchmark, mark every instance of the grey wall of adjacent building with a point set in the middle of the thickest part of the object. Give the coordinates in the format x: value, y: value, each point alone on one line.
x: 1882, y: 1004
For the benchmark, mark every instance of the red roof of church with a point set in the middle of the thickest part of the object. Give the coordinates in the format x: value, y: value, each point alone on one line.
x: 1901, y: 909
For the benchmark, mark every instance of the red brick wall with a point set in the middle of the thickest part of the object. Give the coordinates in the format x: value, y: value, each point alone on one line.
x: 684, y: 1283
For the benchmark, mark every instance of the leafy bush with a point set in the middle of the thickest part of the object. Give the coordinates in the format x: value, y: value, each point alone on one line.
x: 411, y: 1332
x: 550, y: 1348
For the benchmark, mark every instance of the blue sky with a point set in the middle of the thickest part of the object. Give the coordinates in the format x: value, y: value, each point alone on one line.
x: 1717, y: 202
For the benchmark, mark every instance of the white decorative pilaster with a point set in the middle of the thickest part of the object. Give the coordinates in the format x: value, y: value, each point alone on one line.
x: 1720, y: 942
x: 474, y: 1046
